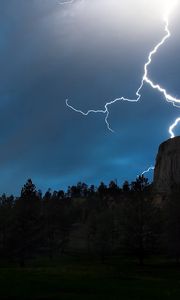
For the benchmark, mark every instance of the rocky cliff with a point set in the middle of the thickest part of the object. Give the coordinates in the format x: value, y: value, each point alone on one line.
x: 167, y: 169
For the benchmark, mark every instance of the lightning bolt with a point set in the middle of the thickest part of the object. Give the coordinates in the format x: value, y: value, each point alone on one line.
x: 148, y: 170
x: 145, y: 79
x: 171, y: 128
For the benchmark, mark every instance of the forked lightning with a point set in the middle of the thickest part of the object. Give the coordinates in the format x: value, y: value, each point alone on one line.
x: 145, y: 79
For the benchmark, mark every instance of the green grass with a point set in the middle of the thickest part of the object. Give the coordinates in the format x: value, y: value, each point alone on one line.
x: 82, y: 278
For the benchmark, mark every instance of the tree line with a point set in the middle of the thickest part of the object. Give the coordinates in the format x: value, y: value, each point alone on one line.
x: 99, y: 221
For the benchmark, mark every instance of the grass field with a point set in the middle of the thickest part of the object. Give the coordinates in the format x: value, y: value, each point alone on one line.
x: 83, y: 278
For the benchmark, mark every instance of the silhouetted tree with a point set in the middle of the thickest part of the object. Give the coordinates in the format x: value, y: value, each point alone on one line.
x: 113, y: 189
x: 6, y: 226
x: 27, y: 223
x: 57, y: 222
x: 140, y: 223
x: 126, y: 187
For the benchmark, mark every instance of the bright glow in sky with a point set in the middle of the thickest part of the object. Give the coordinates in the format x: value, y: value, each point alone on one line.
x: 167, y: 8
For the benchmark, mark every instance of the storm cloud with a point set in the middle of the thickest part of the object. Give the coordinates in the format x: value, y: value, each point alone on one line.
x: 89, y: 52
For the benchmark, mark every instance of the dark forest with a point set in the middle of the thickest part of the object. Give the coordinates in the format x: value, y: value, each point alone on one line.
x: 103, y: 221
x: 112, y: 233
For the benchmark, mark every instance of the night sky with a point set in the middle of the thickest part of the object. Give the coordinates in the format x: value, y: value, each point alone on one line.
x: 89, y: 52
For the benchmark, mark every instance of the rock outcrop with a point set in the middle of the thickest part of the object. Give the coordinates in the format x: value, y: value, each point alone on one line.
x: 167, y: 169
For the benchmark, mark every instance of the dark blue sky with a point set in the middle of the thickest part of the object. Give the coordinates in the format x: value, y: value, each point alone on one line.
x: 90, y: 52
